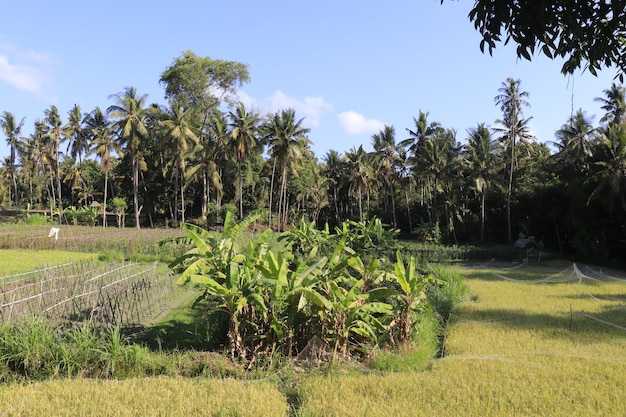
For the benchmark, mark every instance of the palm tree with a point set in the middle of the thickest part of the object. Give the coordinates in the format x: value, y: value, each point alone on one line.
x: 334, y: 167
x: 54, y: 132
x: 12, y: 131
x: 611, y: 177
x: 244, y: 128
x: 78, y: 141
x: 128, y: 115
x: 43, y: 154
x: 422, y: 132
x: 575, y: 139
x: 482, y: 162
x: 98, y: 129
x: 404, y: 176
x: 29, y: 159
x: 358, y: 166
x: 386, y: 156
x: 513, y: 127
x: 181, y: 140
x: 207, y: 160
x: 287, y: 142
x: 614, y: 104
x: 438, y: 163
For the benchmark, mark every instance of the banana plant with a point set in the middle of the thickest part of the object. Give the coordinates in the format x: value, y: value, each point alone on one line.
x: 411, y: 297
x: 354, y: 319
x: 294, y: 295
x: 227, y: 274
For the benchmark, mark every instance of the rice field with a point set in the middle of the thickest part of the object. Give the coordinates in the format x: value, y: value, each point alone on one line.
x: 540, y: 340
x: 514, y: 349
x: 85, y: 239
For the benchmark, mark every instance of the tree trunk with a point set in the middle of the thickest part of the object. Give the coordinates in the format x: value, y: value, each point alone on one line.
x: 240, y: 192
x: 205, y: 195
x: 135, y: 167
x: 272, y: 191
x: 59, y: 184
x: 104, y: 204
x: 182, y: 197
x: 393, y: 206
x: 408, y: 211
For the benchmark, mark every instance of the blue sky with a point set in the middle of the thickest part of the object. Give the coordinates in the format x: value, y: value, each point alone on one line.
x: 347, y: 67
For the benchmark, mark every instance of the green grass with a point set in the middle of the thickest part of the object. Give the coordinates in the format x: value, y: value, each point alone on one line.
x: 13, y: 261
x: 186, y: 326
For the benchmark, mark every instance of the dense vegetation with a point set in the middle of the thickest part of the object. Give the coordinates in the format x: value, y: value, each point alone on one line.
x: 203, y: 154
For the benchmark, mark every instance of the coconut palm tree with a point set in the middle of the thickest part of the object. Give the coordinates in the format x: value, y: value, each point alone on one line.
x: 483, y: 164
x: 103, y: 144
x: 128, y: 115
x: 287, y: 141
x: 12, y: 131
x: 386, y: 158
x: 207, y: 159
x: 74, y: 132
x: 438, y: 163
x: 423, y: 130
x: 358, y: 167
x: 404, y: 176
x: 575, y: 140
x: 514, y: 128
x: 334, y: 170
x: 614, y: 103
x: 54, y: 132
x: 244, y: 127
x: 180, y: 141
x: 611, y: 175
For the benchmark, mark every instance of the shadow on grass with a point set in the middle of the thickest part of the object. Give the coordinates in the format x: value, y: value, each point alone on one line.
x: 189, y: 326
x: 579, y: 325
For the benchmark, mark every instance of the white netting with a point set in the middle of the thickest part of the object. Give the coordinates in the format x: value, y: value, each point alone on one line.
x: 570, y: 274
x: 574, y: 273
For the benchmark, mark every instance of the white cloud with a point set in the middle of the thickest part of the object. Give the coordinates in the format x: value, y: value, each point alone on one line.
x: 356, y: 124
x: 310, y: 108
x: 24, y: 70
x: 21, y: 77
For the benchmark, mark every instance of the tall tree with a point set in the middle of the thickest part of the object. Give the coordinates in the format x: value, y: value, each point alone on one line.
x: 611, y: 175
x: 128, y: 115
x: 358, y: 167
x: 54, y: 132
x: 614, y: 103
x: 574, y: 146
x: 287, y: 141
x: 98, y: 129
x: 79, y: 144
x: 334, y: 167
x: 202, y: 83
x: 12, y: 130
x: 244, y: 127
x: 511, y: 100
x: 482, y: 162
x: 386, y: 157
x: 181, y: 140
x: 422, y: 131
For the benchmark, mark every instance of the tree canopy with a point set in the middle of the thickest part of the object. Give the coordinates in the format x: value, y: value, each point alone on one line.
x: 587, y: 34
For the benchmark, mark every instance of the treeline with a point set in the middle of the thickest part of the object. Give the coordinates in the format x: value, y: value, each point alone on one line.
x: 204, y: 153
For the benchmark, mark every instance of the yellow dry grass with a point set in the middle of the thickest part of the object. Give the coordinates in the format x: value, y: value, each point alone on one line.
x: 145, y: 397
x: 515, y: 350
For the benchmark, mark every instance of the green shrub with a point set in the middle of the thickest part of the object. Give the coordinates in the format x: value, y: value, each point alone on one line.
x: 111, y: 256
x: 37, y: 219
